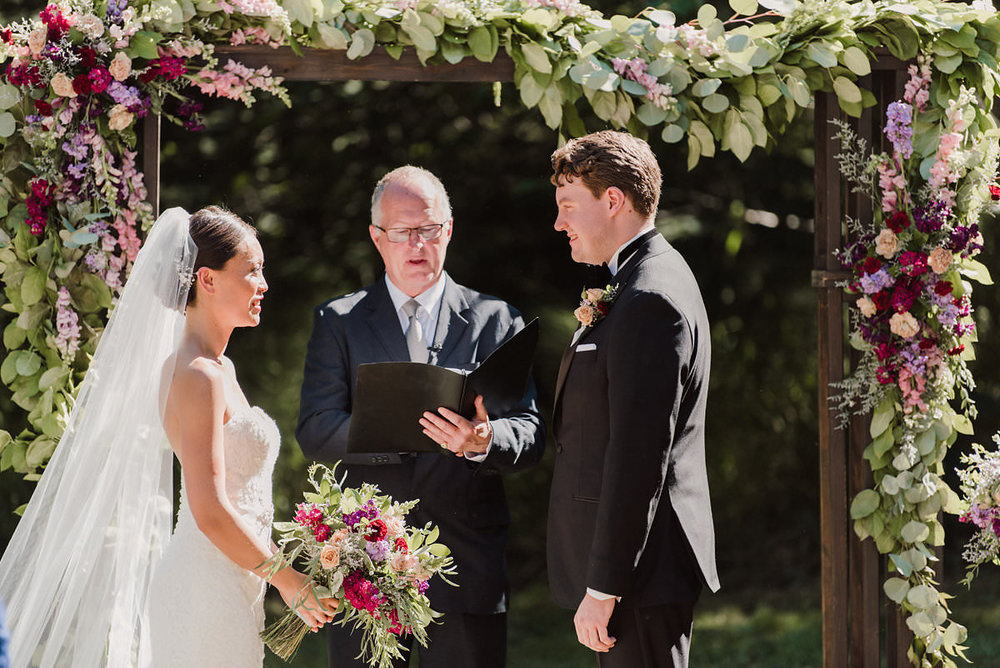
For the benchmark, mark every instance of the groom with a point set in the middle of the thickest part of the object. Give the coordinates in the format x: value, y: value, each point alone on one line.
x: 630, y: 535
x: 416, y: 312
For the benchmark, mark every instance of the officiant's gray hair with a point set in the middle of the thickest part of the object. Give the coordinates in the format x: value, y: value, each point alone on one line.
x: 412, y: 175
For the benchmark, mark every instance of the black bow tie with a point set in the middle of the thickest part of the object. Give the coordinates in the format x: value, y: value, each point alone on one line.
x: 597, y: 276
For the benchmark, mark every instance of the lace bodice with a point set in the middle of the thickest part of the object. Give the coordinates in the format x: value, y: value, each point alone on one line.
x: 252, y: 441
x: 205, y: 610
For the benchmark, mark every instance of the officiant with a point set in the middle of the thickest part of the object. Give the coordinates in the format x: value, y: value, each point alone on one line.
x: 417, y: 313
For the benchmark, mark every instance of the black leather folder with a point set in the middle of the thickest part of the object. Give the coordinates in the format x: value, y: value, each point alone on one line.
x: 391, y: 397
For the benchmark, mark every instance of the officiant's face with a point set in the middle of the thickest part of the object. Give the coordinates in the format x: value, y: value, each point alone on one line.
x: 586, y: 220
x: 415, y: 264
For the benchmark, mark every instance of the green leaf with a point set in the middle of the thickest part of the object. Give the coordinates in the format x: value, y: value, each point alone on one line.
x: 649, y: 114
x: 551, y: 106
x: 846, y: 90
x: 662, y: 17
x: 948, y: 64
x: 9, y: 96
x: 28, y: 364
x: 902, y: 564
x: 922, y: 597
x: 744, y: 7
x: 8, y: 368
x: 422, y: 37
x: 740, y: 141
x: 483, y: 44
x: 299, y: 10
x: 604, y: 104
x: 332, y: 37
x: 33, y: 286
x: 821, y: 54
x: 531, y: 92
x: 856, y: 61
x: 706, y: 14
x: 715, y: 103
x: 673, y: 134
x: 883, y: 442
x: 362, y: 43
x: 896, y: 589
x: 882, y: 417
x: 864, y: 504
x: 536, y: 57
x: 926, y: 441
x: 7, y: 125
x: 914, y: 532
x: 705, y: 87
x: 963, y: 425
x: 52, y: 376
x: 736, y: 43
x: 13, y: 336
x: 976, y: 270
x: 143, y: 44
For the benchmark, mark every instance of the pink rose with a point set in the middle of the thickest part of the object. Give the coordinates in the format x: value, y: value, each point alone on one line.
x: 329, y: 556
x: 939, y: 260
x: 119, y: 117
x: 394, y: 525
x: 886, y: 244
x: 594, y: 294
x: 585, y: 314
x: 904, y: 325
x: 62, y: 85
x: 90, y: 26
x: 120, y: 67
x: 867, y: 307
x: 37, y: 39
x: 402, y: 563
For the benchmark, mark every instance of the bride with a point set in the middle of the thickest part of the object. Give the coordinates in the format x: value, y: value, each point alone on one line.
x: 91, y: 576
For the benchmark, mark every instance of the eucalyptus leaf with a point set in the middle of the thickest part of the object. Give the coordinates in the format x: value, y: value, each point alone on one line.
x: 28, y: 364
x: 9, y: 96
x: 922, y: 596
x: 362, y: 43
x: 299, y: 10
x: 551, y: 107
x: 706, y: 14
x: 914, y: 532
x: 649, y: 114
x: 744, y: 7
x: 7, y: 125
x: 902, y: 564
x: 662, y: 17
x: 715, y: 103
x: 706, y: 87
x: 846, y: 90
x: 882, y: 417
x: 864, y: 504
x: 673, y: 134
x: 737, y: 43
x: 422, y: 37
x: 536, y: 57
x: 856, y: 61
x: 976, y: 270
x: 896, y: 589
x: 33, y: 286
x: 821, y: 54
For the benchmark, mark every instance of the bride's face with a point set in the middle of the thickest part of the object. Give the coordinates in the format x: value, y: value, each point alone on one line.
x: 240, y: 285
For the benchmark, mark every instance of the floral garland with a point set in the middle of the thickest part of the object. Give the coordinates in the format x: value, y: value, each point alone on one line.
x: 980, y: 481
x: 74, y: 82
x: 914, y: 326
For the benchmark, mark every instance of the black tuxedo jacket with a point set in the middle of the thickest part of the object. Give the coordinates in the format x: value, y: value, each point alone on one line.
x: 629, y: 512
x: 464, y: 498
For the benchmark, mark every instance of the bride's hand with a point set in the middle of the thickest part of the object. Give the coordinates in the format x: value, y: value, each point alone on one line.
x: 298, y: 594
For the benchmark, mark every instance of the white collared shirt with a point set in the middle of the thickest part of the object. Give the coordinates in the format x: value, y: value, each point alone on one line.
x: 430, y: 306
x: 613, y: 262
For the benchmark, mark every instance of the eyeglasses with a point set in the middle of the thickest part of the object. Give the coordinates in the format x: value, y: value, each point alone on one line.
x: 398, y: 235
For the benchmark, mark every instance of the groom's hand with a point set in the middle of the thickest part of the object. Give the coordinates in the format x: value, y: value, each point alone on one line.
x: 591, y: 621
x: 452, y: 431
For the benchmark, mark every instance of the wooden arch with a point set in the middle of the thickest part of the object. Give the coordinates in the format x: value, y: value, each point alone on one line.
x: 855, y: 634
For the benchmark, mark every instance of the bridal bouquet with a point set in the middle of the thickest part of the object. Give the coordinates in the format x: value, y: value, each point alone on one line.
x: 980, y: 480
x: 357, y: 548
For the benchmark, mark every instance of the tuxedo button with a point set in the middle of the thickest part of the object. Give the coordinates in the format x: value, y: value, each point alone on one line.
x: 559, y: 448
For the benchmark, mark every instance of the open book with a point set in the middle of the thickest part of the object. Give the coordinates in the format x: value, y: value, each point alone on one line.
x: 391, y: 397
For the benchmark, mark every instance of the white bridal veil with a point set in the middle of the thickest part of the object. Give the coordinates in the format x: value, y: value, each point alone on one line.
x: 76, y: 574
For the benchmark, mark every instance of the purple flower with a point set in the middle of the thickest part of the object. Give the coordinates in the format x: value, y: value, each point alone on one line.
x: 930, y: 218
x: 377, y: 550
x: 872, y: 283
x: 897, y: 128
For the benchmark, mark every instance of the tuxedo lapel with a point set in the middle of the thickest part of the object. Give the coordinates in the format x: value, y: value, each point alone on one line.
x: 451, y: 323
x: 384, y: 323
x: 567, y: 360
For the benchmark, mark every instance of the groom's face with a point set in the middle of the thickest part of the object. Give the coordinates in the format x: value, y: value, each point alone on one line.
x: 413, y: 265
x: 586, y: 220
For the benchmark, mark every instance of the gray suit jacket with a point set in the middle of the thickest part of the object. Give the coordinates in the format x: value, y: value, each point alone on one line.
x: 464, y: 498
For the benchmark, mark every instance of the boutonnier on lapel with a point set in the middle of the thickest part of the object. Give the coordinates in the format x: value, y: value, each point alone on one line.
x: 595, y: 304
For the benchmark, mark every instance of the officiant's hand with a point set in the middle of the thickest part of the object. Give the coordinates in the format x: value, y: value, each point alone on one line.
x: 452, y: 431
x: 591, y: 621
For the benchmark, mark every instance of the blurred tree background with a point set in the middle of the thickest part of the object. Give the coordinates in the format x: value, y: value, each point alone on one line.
x: 304, y: 177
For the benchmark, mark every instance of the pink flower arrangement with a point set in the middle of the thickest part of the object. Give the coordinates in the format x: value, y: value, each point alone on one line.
x: 360, y: 550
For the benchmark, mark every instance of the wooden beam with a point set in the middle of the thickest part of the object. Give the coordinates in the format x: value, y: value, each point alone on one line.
x: 332, y: 65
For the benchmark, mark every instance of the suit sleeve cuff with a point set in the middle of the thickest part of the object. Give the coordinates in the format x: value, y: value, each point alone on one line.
x: 481, y: 457
x: 601, y: 596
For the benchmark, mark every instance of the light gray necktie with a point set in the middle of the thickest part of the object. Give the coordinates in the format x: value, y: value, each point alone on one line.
x: 415, y: 341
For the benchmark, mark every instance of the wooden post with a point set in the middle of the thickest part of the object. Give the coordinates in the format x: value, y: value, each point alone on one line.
x: 151, y: 160
x: 852, y: 572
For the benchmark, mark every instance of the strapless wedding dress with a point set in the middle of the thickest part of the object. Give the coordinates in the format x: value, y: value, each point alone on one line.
x: 204, y: 610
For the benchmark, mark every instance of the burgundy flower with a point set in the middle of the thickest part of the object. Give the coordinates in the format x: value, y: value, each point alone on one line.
x: 43, y: 107
x: 882, y: 300
x: 943, y: 288
x: 914, y: 262
x: 927, y: 344
x: 88, y: 57
x: 402, y: 546
x: 885, y: 351
x: 898, y: 222
x: 376, y: 531
x: 6, y: 35
x: 957, y: 350
x: 55, y: 21
x: 321, y: 532
x: 994, y: 190
x: 884, y: 375
x: 99, y: 78
x: 81, y: 85
x: 872, y: 265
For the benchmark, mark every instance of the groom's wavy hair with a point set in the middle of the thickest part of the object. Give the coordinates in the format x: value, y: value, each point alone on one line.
x: 218, y: 233
x: 608, y: 158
